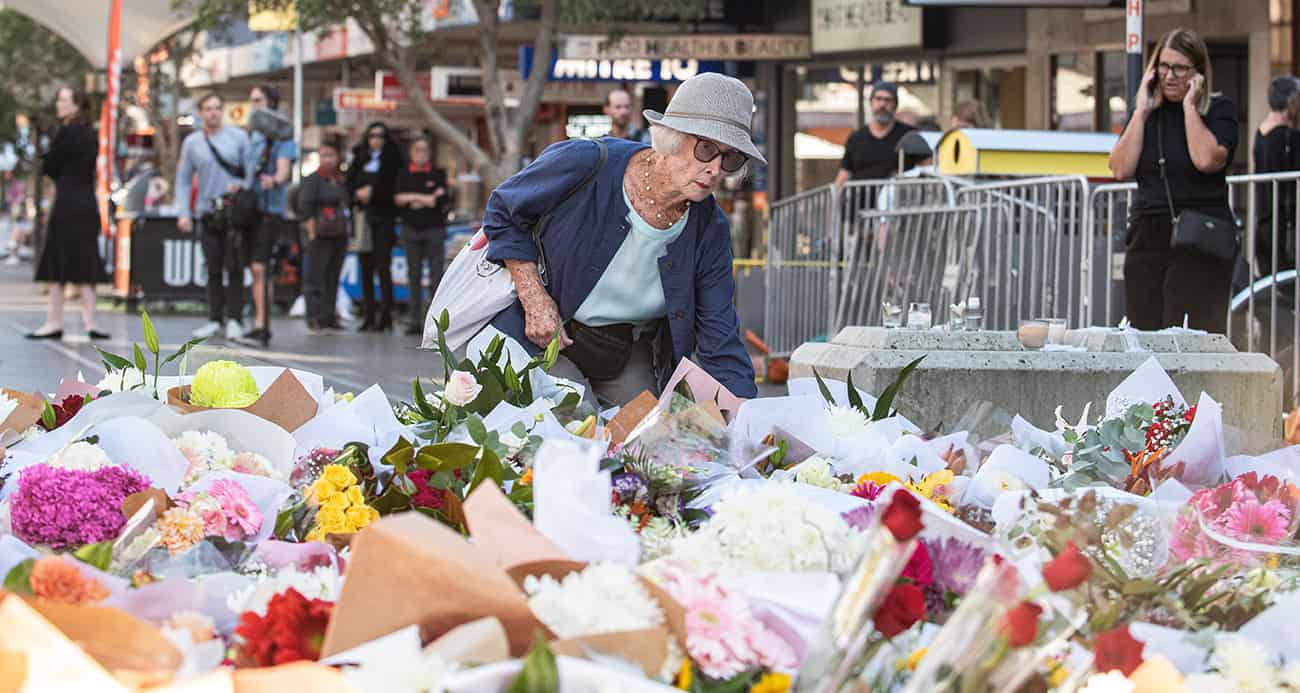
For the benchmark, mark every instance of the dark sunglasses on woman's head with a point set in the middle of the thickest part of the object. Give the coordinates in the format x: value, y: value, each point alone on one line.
x: 732, y: 161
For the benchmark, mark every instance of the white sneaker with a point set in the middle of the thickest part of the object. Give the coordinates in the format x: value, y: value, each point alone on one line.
x: 299, y: 308
x: 12, y: 259
x: 210, y: 329
x: 234, y: 330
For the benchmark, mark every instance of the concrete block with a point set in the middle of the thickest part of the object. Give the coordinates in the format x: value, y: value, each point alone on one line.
x: 951, y: 382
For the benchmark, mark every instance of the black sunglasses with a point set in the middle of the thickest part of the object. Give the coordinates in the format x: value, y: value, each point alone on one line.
x: 732, y: 161
x: 376, y: 135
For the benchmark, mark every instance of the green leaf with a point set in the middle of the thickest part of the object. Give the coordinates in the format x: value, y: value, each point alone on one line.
x: 552, y: 354
x: 446, y: 456
x: 399, y: 456
x: 442, y: 480
x: 183, y: 350
x: 139, y: 359
x: 512, y: 378
x: 99, y: 555
x: 421, y: 402
x: 487, y: 400
x: 489, y: 467
x: 826, y: 391
x: 150, y: 335
x: 113, y: 362
x: 519, y: 430
x: 19, y: 579
x: 477, y: 431
x: 285, y: 522
x: 855, y: 400
x: 48, y: 418
x: 444, y: 321
x: 540, y: 673
x: 885, y: 405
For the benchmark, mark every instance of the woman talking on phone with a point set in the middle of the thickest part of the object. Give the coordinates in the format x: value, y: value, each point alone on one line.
x: 1181, y: 235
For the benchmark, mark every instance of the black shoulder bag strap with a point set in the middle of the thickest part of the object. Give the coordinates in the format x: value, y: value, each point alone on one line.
x: 540, y: 227
x: 1164, y: 177
x: 234, y: 171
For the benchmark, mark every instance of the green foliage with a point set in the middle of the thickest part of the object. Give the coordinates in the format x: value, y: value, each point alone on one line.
x: 113, y: 362
x: 540, y: 674
x: 35, y: 61
x: 98, y: 555
x: 884, y: 405
x: 19, y: 579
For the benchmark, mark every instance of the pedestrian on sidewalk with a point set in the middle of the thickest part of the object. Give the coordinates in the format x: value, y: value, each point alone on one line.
x: 1177, y: 145
x: 272, y: 159
x: 326, y: 219
x: 425, y: 200
x: 633, y: 272
x: 71, y: 254
x: 871, y: 153
x: 1276, y: 149
x: 215, y: 155
x: 372, y: 182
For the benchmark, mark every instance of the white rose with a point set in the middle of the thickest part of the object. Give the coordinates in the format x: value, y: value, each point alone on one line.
x: 461, y: 389
x: 121, y: 381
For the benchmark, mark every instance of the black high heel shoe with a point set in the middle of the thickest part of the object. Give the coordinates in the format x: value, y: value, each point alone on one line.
x: 96, y: 335
x: 55, y: 335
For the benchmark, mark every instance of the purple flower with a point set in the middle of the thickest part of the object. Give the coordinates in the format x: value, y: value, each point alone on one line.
x: 627, y: 485
x: 859, y: 518
x: 69, y: 507
x: 956, y: 564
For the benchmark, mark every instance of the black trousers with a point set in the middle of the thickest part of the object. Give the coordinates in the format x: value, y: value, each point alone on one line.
x: 422, y: 245
x: 222, y: 255
x: 378, y: 261
x: 324, y: 263
x: 1162, y: 284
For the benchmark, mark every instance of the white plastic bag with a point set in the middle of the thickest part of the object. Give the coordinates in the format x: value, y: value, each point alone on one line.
x: 472, y: 291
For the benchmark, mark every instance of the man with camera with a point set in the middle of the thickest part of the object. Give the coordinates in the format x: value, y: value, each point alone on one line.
x: 273, y: 151
x: 216, y: 154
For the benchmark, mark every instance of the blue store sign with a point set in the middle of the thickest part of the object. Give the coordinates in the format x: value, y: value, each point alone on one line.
x: 620, y: 70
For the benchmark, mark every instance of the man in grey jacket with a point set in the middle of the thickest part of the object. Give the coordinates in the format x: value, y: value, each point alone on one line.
x: 217, y: 156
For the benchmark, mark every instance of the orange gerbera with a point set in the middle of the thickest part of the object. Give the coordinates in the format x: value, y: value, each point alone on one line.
x: 58, y: 580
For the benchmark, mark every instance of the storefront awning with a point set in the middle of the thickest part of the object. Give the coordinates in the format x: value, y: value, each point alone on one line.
x: 84, y: 24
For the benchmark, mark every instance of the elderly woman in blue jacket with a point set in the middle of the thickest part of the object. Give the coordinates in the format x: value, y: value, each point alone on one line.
x: 633, y: 270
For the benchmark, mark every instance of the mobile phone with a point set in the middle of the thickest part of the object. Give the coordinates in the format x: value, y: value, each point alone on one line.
x: 1152, y: 84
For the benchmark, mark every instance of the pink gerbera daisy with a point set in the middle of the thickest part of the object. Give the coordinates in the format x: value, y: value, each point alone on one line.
x: 242, y: 516
x: 1265, y: 523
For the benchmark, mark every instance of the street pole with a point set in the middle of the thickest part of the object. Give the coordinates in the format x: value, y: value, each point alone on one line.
x: 297, y: 93
x: 1134, y: 43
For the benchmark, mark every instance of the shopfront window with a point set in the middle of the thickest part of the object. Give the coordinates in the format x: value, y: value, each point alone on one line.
x: 1074, y: 105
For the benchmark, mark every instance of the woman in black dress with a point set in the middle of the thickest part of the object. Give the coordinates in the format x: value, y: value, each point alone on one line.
x: 71, y: 254
x: 372, y: 182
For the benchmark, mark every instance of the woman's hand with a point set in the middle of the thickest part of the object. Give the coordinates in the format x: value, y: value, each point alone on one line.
x: 1195, y: 86
x: 542, y: 320
x: 1145, y: 99
x: 363, y: 194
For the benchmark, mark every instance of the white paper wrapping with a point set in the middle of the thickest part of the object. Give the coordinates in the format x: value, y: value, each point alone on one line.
x: 1006, y: 467
x: 571, y: 505
x: 244, y: 432
x: 1201, y: 450
x: 1149, y: 383
x: 267, y: 494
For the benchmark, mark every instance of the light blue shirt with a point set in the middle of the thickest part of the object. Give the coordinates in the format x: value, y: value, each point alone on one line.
x: 630, y: 290
x: 272, y: 200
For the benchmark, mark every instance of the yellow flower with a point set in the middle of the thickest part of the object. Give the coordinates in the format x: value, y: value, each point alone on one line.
x: 320, y: 491
x: 355, y: 496
x: 685, y: 676
x: 223, y: 384
x: 1057, y: 676
x: 879, y: 478
x: 339, y: 476
x: 527, y: 478
x: 771, y: 683
x: 915, y: 658
x: 935, y: 487
x: 360, y: 516
x: 331, y: 521
x: 315, y: 535
x: 336, y: 501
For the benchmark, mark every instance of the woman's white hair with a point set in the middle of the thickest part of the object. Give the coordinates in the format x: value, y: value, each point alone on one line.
x: 667, y: 141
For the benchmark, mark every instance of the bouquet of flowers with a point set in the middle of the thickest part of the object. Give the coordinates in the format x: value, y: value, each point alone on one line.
x: 63, y: 508
x: 208, y: 451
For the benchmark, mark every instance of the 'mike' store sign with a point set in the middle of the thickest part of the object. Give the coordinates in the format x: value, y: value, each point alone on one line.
x: 840, y: 26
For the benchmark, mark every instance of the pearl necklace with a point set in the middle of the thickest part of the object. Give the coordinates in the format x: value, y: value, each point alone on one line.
x: 659, y: 215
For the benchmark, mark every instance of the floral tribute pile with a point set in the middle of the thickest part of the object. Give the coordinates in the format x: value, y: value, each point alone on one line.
x: 503, y: 533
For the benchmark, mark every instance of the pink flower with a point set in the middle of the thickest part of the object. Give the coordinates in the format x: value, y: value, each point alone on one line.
x: 198, y: 464
x: 1265, y: 523
x: 243, y: 519
x: 248, y: 463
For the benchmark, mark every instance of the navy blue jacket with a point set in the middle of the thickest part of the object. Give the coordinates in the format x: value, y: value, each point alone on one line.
x: 586, y: 232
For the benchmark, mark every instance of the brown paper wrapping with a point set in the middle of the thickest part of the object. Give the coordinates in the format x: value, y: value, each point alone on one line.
x: 473, y: 644
x: 631, y: 414
x: 705, y: 388
x: 299, y: 676
x: 134, y: 651
x: 408, y: 569
x: 285, y: 403
x: 134, y: 502
x: 13, y: 671
x: 26, y: 414
x: 647, y: 649
x: 501, y: 533
x: 53, y: 661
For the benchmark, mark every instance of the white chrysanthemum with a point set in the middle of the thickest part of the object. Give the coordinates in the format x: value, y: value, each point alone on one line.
x: 767, y: 528
x: 816, y: 471
x: 321, y: 583
x: 657, y: 537
x: 81, y: 456
x: 1109, y: 682
x: 211, y: 446
x: 121, y: 381
x: 1244, y: 662
x: 603, y: 598
x: 846, y: 421
x: 1207, y: 683
x: 400, y: 673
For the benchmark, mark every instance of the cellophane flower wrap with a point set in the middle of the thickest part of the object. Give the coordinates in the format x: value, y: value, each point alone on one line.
x: 63, y: 508
x: 1236, y: 523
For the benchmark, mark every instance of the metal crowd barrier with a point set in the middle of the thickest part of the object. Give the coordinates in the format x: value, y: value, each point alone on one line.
x: 923, y: 254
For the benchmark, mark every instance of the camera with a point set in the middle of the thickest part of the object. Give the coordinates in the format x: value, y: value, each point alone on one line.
x: 217, y: 220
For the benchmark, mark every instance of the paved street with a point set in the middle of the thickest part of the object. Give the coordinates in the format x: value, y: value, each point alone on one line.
x: 349, y: 362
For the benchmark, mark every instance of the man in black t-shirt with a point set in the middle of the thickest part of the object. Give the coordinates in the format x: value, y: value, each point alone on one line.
x: 870, y: 153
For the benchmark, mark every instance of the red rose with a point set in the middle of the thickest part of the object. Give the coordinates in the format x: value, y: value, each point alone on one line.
x: 919, y: 569
x: 1068, y: 570
x: 292, y: 630
x: 1116, y: 649
x: 1020, y: 625
x: 903, y: 516
x: 902, y: 607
